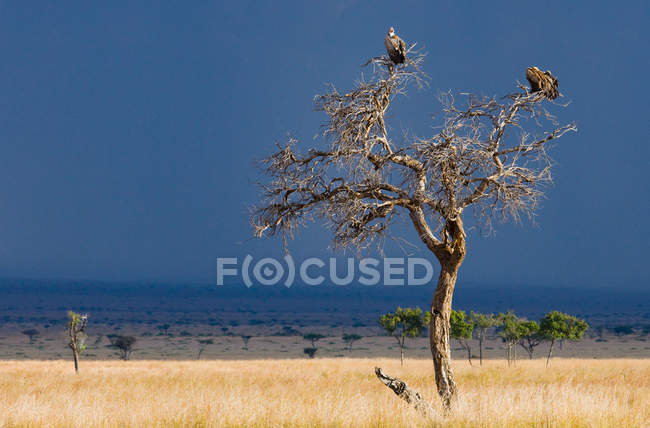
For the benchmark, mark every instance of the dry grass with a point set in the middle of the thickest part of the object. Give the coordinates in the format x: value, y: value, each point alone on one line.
x: 321, y: 392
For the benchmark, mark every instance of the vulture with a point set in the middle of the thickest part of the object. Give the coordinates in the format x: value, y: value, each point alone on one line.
x: 542, y: 81
x: 395, y: 47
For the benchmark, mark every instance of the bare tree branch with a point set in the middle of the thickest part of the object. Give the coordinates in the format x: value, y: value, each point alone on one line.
x: 480, y: 157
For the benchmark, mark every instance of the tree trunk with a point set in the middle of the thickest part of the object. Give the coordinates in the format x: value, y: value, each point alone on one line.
x: 529, y: 348
x: 469, y: 353
x: 76, y: 361
x: 450, y: 255
x: 439, y: 334
x: 480, y: 349
x: 550, y: 352
x: 401, y: 352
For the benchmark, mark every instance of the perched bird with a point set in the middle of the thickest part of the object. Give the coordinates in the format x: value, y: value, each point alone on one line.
x: 542, y: 81
x: 395, y: 47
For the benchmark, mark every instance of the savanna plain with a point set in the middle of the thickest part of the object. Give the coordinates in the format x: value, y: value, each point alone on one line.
x: 320, y: 392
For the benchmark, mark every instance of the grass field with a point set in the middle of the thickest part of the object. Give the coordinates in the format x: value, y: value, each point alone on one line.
x: 320, y: 392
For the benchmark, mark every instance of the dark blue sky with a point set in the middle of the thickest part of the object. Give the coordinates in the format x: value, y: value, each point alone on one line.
x: 128, y: 130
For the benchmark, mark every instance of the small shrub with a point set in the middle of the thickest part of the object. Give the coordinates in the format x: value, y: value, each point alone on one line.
x: 311, y: 352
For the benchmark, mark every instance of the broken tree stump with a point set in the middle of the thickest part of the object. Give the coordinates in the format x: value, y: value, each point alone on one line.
x: 411, y: 396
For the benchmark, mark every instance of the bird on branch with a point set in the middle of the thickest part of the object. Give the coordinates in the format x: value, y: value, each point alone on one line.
x: 395, y: 47
x: 542, y: 81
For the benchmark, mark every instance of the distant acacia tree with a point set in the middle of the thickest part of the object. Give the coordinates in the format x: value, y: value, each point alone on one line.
x: 31, y: 333
x: 349, y: 339
x: 77, y: 335
x: 482, y: 322
x: 530, y: 337
x: 488, y: 157
x: 246, y: 339
x: 124, y: 346
x: 403, y: 323
x: 203, y: 343
x: 560, y: 326
x: 510, y: 334
x: 313, y: 338
x: 461, y: 330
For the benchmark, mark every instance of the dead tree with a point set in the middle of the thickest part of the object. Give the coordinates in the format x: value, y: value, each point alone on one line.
x: 77, y: 335
x: 488, y: 158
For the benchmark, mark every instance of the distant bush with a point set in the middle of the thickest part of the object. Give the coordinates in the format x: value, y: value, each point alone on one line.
x: 124, y: 345
x: 311, y: 352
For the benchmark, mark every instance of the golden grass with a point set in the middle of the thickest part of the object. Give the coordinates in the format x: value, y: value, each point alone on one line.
x: 320, y: 392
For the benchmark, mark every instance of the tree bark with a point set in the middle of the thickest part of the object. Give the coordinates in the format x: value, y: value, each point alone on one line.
x: 439, y: 334
x: 480, y: 350
x: 76, y: 361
